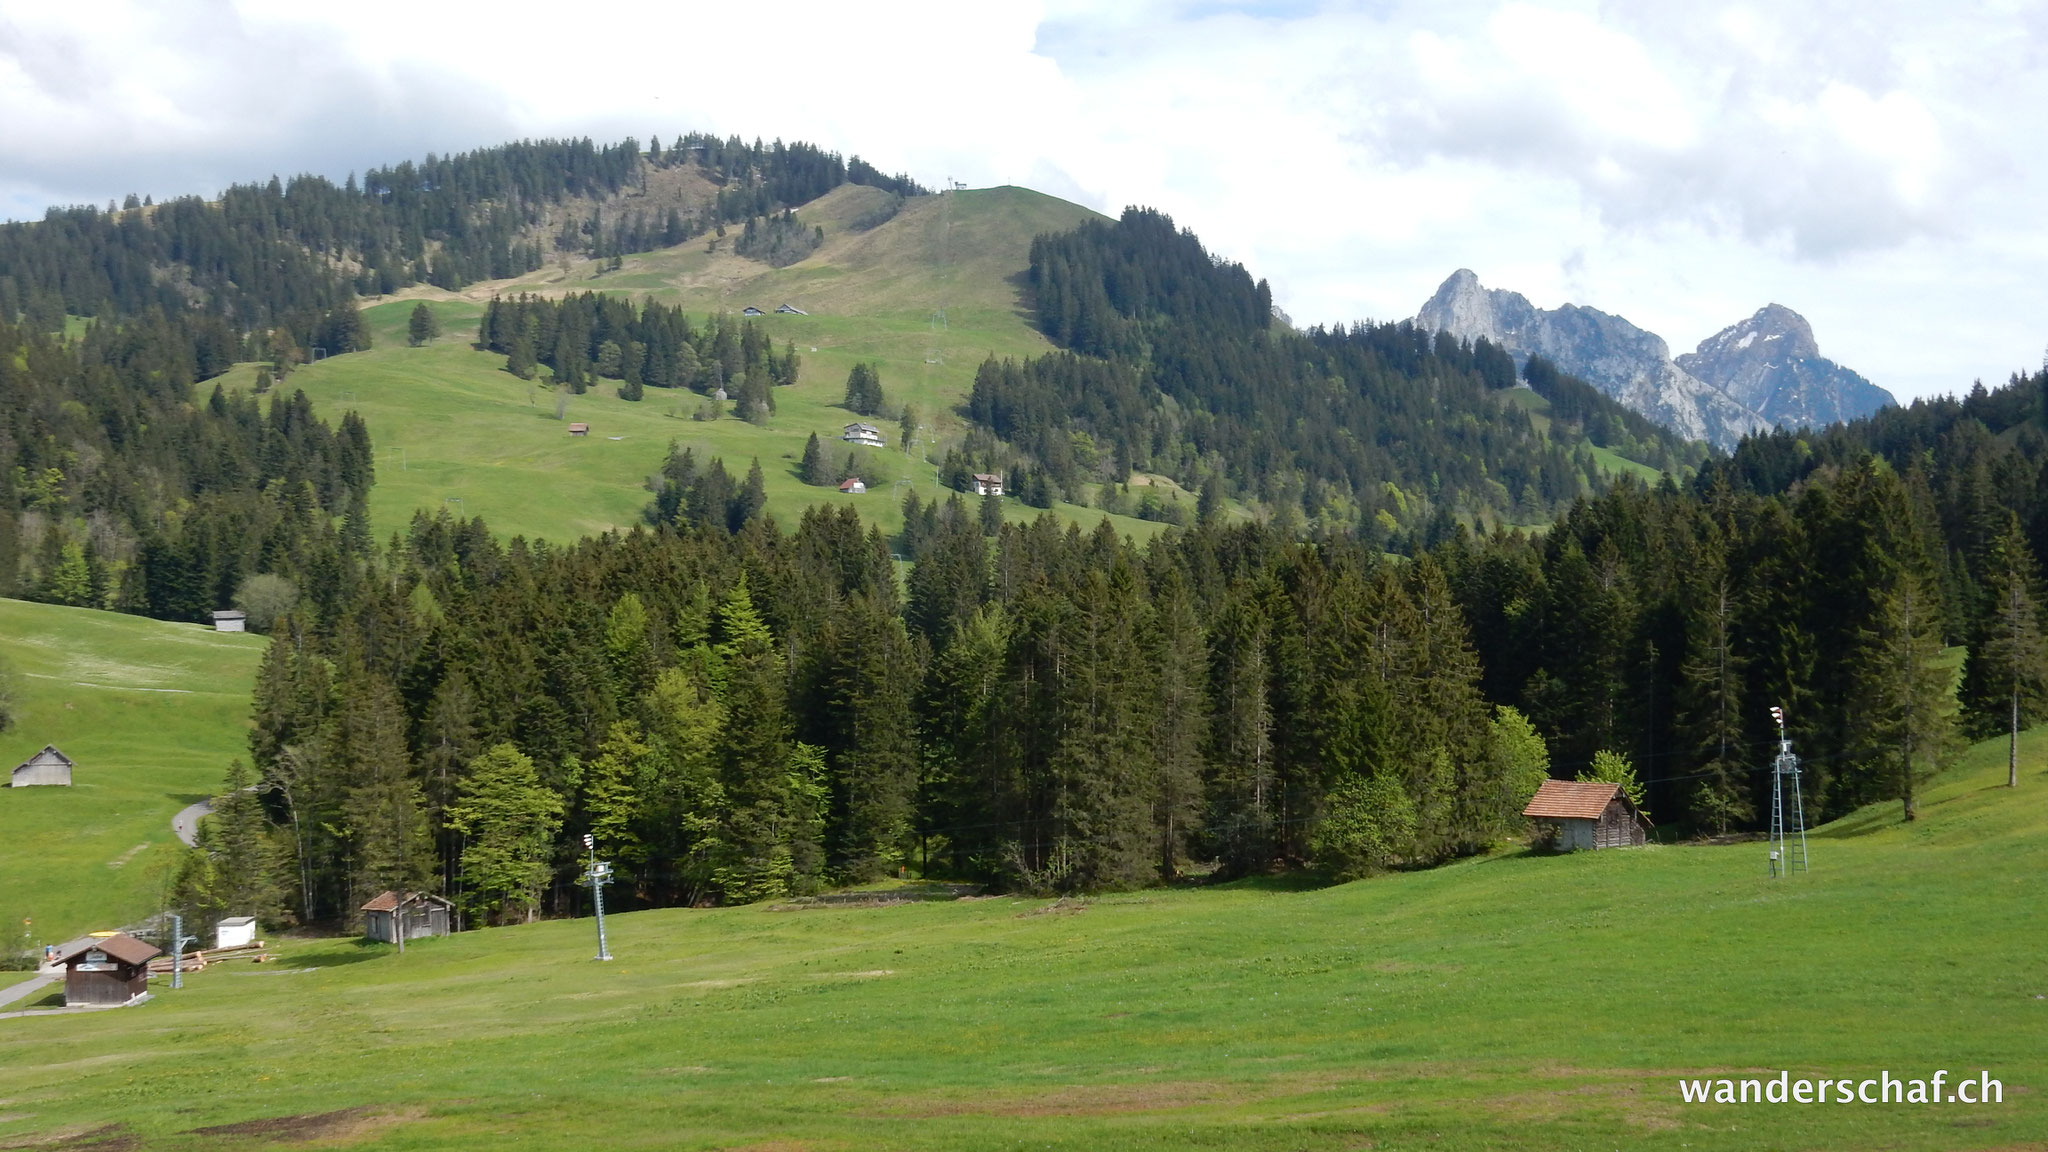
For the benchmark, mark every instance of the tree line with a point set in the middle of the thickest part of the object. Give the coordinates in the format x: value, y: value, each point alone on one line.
x: 738, y: 715
x: 284, y: 253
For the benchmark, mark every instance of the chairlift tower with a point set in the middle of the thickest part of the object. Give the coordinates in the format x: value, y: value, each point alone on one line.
x: 599, y: 875
x: 1788, y: 839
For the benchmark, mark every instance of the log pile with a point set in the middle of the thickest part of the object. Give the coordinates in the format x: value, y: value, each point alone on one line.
x: 194, y: 961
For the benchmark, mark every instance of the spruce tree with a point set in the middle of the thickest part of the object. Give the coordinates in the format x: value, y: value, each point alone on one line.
x: 422, y: 326
x: 1710, y: 697
x: 1905, y: 691
x: 812, y: 468
x: 874, y: 762
x: 758, y: 857
x: 1178, y: 656
x: 2007, y: 676
x: 384, y: 807
x: 244, y: 863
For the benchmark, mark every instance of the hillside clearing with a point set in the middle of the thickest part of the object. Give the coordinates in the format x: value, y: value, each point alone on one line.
x: 151, y: 712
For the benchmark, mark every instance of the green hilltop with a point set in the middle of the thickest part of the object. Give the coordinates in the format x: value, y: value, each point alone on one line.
x: 926, y: 295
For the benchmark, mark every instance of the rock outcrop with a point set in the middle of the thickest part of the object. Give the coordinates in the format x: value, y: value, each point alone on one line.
x: 1771, y: 363
x: 1631, y: 365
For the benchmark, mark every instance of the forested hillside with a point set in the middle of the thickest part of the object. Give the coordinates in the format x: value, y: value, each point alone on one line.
x: 741, y: 715
x: 278, y: 255
x: 116, y: 491
x: 738, y: 708
x: 1824, y: 573
x: 1178, y: 368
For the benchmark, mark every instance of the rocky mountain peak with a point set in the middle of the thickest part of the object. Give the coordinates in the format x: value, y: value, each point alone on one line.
x: 1632, y: 365
x: 1772, y: 363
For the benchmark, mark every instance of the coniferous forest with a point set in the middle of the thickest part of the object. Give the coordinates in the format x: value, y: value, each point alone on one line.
x: 738, y: 709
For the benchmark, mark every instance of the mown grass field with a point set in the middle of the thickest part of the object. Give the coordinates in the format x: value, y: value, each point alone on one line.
x: 152, y: 712
x: 1507, y: 1002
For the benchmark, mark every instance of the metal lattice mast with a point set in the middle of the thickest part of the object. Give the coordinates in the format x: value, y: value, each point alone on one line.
x: 1788, y: 827
x: 600, y: 874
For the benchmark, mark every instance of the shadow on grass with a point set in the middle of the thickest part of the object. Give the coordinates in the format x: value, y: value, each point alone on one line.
x: 1292, y: 881
x: 340, y: 952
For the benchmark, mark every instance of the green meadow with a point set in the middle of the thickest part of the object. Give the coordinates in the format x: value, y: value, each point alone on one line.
x: 1513, y: 1001
x: 151, y: 712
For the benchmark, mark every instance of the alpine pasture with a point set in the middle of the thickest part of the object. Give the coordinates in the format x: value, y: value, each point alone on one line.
x: 152, y: 712
x: 1512, y: 1001
x: 925, y: 296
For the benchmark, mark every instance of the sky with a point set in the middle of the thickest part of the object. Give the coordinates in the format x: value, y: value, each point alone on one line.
x: 1877, y: 166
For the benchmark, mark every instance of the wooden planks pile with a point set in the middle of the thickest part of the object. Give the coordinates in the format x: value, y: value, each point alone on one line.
x: 194, y: 961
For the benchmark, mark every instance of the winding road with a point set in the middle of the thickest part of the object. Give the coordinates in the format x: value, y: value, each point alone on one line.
x: 186, y: 822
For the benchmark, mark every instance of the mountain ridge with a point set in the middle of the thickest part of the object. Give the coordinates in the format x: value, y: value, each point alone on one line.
x: 1763, y: 372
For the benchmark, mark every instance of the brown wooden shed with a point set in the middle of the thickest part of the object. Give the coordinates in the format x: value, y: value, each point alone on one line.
x: 106, y: 968
x: 1588, y: 814
x: 417, y: 913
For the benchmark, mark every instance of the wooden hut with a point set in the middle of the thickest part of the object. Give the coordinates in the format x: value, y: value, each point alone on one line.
x: 579, y: 429
x: 46, y: 767
x: 106, y: 968
x: 1591, y: 814
x: 230, y: 620
x: 416, y: 914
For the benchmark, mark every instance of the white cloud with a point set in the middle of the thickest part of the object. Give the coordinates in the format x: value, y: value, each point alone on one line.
x: 1871, y: 164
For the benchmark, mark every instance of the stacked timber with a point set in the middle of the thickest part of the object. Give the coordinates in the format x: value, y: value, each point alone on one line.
x: 194, y: 961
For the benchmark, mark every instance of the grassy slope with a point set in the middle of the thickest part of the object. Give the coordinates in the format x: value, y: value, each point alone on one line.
x: 450, y: 424
x: 152, y: 712
x: 1513, y: 1001
x: 1611, y: 462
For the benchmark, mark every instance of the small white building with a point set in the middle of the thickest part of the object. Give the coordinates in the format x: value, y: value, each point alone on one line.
x: 46, y: 767
x: 853, y: 486
x: 987, y: 484
x: 863, y: 433
x: 230, y: 621
x: 235, y: 932
x: 1587, y: 814
x: 792, y: 310
x: 750, y: 310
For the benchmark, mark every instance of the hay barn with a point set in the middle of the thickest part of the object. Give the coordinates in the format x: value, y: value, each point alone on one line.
x: 1588, y: 814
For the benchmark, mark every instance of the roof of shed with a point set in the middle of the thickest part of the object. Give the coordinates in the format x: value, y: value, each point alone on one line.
x: 1572, y: 799
x: 389, y: 901
x: 49, y: 755
x: 121, y: 946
